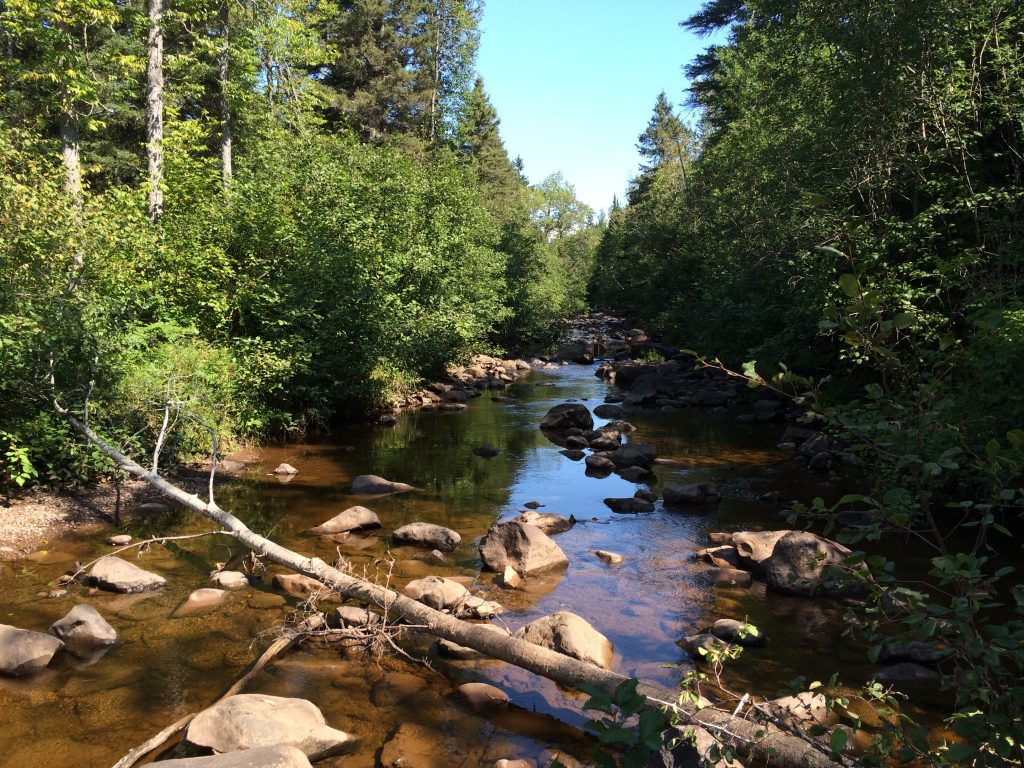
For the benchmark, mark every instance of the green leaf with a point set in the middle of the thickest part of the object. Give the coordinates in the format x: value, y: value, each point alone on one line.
x: 849, y: 284
x: 838, y: 741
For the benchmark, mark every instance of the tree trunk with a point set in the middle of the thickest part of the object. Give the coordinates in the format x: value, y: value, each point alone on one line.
x: 223, y: 61
x: 759, y: 741
x: 155, y: 109
x: 72, y: 158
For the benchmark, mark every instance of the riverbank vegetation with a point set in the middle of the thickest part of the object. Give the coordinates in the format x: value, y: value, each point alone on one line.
x: 282, y: 213
x: 850, y: 205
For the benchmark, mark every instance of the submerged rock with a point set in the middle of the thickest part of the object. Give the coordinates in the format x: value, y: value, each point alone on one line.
x: 523, y: 546
x: 201, y: 601
x: 23, y: 652
x: 117, y: 575
x: 374, y: 485
x: 229, y: 580
x: 570, y: 634
x: 281, y: 756
x: 486, y: 451
x: 352, y: 519
x: 481, y: 696
x: 612, y: 558
x: 298, y: 585
x: 250, y: 720
x: 427, y: 535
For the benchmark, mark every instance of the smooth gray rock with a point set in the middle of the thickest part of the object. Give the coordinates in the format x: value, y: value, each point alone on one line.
x: 355, y: 518
x: 754, y: 547
x: 570, y: 634
x: 599, y: 462
x: 730, y: 577
x: 374, y: 485
x: 201, y: 601
x: 738, y: 632
x: 354, y: 616
x: 23, y: 652
x: 285, y: 469
x: 427, y: 535
x: 566, y: 415
x: 251, y: 720
x: 523, y: 546
x: 82, y: 628
x: 117, y: 575
x: 549, y: 523
x: 281, y: 756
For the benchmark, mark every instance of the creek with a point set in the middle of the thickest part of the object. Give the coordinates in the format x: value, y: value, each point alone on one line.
x: 166, y: 666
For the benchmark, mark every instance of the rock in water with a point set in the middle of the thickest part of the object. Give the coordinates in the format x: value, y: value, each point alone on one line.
x: 566, y: 416
x: 609, y: 411
x: 523, y: 546
x: 549, y: 523
x: 250, y: 720
x: 82, y: 628
x: 117, y: 575
x: 630, y: 505
x: 486, y: 451
x: 803, y: 563
x: 261, y: 757
x: 427, y: 535
x: 373, y: 485
x: 754, y: 547
x: 481, y: 696
x: 200, y: 601
x: 612, y: 558
x: 285, y: 469
x: 634, y: 455
x: 436, y: 592
x: 352, y: 519
x: 299, y: 585
x: 687, y: 494
x: 229, y: 580
x: 24, y: 653
x: 567, y: 633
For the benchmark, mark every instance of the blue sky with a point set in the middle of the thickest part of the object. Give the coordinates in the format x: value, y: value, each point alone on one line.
x: 574, y: 82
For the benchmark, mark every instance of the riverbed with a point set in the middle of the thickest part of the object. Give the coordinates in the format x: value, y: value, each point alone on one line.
x: 165, y: 666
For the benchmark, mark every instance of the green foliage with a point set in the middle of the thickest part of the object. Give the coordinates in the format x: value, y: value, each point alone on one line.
x: 629, y: 732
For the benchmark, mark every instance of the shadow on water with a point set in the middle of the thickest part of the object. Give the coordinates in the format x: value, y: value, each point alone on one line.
x: 165, y: 667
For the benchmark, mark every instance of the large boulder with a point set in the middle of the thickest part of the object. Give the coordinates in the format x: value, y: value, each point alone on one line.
x: 567, y: 633
x: 575, y: 353
x: 427, y: 535
x: 117, y: 575
x: 753, y: 548
x: 352, y: 519
x: 24, y: 653
x: 83, y: 629
x: 251, y: 720
x: 280, y: 756
x: 374, y: 485
x: 804, y: 563
x: 523, y: 546
x: 634, y: 455
x: 566, y: 416
x: 690, y: 494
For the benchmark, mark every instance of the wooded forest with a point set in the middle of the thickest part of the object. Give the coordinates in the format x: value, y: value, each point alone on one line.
x: 289, y: 214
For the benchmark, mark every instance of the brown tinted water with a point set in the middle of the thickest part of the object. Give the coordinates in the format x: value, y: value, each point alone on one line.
x: 165, y: 666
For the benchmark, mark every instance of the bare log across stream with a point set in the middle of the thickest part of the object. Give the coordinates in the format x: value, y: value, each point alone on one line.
x: 757, y: 740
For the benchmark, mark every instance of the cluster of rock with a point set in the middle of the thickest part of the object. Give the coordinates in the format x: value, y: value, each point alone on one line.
x: 460, y: 384
x: 680, y: 383
x: 82, y: 632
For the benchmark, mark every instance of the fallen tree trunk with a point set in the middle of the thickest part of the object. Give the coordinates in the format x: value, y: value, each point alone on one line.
x: 759, y: 741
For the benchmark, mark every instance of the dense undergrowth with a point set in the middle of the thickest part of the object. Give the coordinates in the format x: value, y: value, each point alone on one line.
x: 851, y: 206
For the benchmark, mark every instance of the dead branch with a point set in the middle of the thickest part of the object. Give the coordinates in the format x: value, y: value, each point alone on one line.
x: 762, y: 742
x: 278, y: 647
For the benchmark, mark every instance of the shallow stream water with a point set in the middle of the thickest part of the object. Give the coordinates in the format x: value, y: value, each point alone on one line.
x: 166, y: 666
